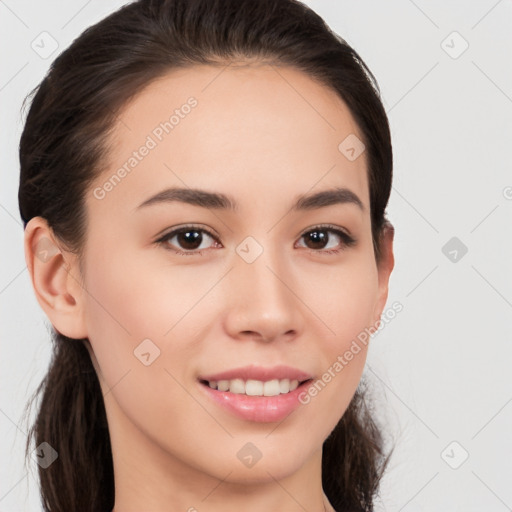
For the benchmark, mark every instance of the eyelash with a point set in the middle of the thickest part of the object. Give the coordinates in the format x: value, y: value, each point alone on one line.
x: 347, y: 240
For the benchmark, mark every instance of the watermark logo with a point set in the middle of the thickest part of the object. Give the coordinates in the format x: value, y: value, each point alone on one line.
x: 249, y: 455
x: 455, y: 455
x: 249, y: 249
x: 46, y: 249
x: 146, y: 352
x: 44, y: 45
x: 45, y: 455
x: 454, y: 45
x: 351, y: 147
x: 454, y: 249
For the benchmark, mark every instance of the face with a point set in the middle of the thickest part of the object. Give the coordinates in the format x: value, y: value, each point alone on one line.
x: 261, y: 291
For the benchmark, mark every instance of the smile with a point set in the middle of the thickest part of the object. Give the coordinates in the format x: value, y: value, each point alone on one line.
x: 255, y: 393
x: 252, y: 387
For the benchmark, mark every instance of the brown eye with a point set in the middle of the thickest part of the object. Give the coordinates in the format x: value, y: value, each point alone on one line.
x: 318, y: 238
x: 188, y: 240
x: 191, y: 240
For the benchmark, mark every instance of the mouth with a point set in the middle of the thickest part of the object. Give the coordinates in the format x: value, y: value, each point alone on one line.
x: 256, y: 393
x: 256, y: 388
x: 251, y: 400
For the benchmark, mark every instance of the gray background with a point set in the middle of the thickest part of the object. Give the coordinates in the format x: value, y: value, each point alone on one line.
x: 441, y: 367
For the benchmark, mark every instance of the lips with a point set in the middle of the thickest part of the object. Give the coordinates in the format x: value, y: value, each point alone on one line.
x: 274, y: 408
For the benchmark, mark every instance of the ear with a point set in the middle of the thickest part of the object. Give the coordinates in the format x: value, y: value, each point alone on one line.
x: 384, y: 267
x: 55, y: 277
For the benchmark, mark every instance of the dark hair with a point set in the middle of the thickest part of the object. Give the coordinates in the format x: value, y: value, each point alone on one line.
x: 64, y: 146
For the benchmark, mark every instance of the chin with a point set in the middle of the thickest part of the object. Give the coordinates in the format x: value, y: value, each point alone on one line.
x: 262, y: 461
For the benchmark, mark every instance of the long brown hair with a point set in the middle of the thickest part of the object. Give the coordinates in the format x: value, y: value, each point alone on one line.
x: 63, y: 147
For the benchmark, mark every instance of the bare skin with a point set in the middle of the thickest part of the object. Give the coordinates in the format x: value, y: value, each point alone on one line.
x: 263, y: 136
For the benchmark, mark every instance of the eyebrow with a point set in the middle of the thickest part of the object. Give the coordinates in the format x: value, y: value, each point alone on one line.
x: 219, y: 201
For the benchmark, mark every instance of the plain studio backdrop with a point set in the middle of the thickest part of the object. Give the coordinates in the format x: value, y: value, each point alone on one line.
x: 441, y: 367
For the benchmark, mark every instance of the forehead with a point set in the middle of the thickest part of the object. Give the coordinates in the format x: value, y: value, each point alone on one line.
x: 272, y: 129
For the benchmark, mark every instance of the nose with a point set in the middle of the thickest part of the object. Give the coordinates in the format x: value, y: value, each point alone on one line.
x: 263, y: 305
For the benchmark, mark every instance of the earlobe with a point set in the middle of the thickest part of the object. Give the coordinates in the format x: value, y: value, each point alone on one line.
x: 54, y: 275
x: 384, y: 267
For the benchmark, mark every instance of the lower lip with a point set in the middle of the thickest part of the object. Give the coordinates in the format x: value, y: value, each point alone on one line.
x: 262, y: 409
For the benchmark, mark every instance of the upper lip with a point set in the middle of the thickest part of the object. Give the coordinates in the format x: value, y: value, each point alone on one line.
x: 254, y: 372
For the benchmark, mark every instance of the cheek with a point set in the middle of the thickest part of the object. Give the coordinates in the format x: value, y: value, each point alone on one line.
x: 130, y: 308
x: 344, y: 302
x: 135, y: 308
x: 344, y: 299
x: 135, y: 300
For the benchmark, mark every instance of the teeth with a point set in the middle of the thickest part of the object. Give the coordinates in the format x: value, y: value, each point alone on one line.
x: 223, y: 385
x: 255, y: 387
x: 284, y: 385
x: 237, y: 386
x: 271, y: 388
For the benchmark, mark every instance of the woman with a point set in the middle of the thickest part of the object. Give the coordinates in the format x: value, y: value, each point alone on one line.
x: 203, y: 188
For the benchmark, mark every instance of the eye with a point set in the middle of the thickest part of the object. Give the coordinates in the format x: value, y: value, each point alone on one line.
x: 189, y: 238
x: 193, y: 240
x: 319, y: 235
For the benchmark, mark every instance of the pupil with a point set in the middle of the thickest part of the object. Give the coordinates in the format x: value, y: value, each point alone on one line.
x: 190, y: 240
x: 318, y: 236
